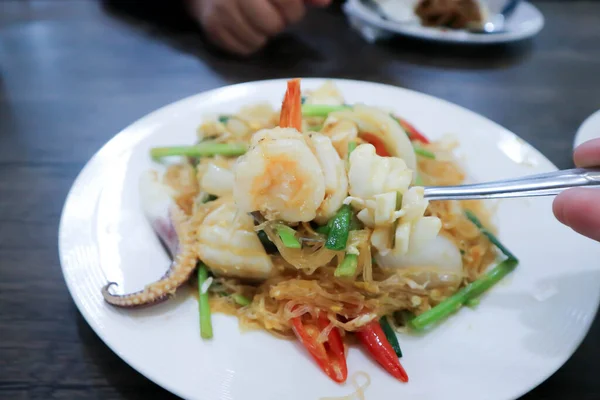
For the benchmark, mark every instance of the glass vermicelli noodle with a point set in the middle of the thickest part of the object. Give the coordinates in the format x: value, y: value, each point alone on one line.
x: 310, y: 222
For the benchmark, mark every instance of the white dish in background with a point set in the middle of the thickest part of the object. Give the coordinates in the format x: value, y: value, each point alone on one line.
x: 590, y: 129
x: 526, y: 22
x: 523, y: 331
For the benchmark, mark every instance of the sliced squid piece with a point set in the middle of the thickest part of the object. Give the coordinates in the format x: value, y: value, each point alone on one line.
x: 428, y: 261
x: 370, y: 174
x: 327, y: 94
x: 375, y: 121
x: 228, y: 244
x: 334, y: 174
x: 341, y: 132
x: 217, y: 180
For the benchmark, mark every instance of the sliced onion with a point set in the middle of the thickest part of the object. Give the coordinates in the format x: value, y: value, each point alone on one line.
x: 307, y: 259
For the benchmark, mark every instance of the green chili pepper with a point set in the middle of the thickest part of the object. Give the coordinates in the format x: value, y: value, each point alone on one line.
x: 390, y: 335
x: 339, y: 229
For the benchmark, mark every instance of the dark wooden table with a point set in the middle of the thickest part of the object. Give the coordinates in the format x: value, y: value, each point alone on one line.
x: 74, y: 73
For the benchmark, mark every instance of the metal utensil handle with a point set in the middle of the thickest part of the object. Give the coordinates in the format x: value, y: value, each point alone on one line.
x: 548, y: 184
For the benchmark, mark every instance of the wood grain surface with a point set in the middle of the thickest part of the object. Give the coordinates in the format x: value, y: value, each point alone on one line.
x: 73, y: 73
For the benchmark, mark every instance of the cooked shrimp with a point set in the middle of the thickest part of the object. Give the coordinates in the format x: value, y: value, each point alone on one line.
x: 228, y: 244
x: 290, y: 176
x: 280, y: 177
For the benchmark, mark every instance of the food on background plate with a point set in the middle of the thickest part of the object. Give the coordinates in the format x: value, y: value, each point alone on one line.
x: 311, y: 222
x: 455, y: 14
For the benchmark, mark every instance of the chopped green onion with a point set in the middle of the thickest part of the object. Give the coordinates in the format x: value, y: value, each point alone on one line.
x: 224, y: 118
x: 423, y: 152
x: 347, y: 267
x: 202, y: 149
x: 203, y: 304
x: 339, y: 229
x: 471, y: 291
x: 489, y: 234
x: 316, y: 128
x: 390, y: 335
x: 209, y: 198
x: 419, y: 181
x: 320, y: 110
x: 241, y: 300
x: 472, y: 302
x: 351, y: 146
x: 355, y: 225
x: 303, y: 99
x: 269, y: 246
x: 288, y: 236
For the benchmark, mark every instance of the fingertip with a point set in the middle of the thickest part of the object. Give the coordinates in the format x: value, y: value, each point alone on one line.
x: 558, y: 206
x: 579, y: 209
x: 587, y: 154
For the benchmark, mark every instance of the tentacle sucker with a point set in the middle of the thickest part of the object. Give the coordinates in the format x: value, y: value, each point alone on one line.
x: 166, y: 219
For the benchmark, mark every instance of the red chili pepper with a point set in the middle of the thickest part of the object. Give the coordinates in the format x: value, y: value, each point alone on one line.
x: 373, y: 339
x: 411, y: 131
x: 377, y: 142
x: 328, y: 355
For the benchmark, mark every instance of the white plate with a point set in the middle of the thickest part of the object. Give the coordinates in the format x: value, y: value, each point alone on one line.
x: 590, y: 129
x: 526, y: 22
x: 522, y: 332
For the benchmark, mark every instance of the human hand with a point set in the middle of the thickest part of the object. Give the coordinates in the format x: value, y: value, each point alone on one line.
x: 579, y: 208
x: 244, y: 26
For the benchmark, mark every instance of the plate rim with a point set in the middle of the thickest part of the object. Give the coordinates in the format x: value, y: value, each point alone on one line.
x: 371, y: 19
x: 130, y: 129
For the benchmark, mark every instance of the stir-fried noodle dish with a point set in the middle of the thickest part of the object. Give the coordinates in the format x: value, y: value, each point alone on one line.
x: 310, y: 222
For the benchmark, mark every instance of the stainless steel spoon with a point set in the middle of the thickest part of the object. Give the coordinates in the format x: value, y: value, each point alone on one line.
x: 496, y: 23
x: 548, y: 184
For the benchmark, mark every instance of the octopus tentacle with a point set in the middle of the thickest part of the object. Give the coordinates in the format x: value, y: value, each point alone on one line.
x: 179, y: 273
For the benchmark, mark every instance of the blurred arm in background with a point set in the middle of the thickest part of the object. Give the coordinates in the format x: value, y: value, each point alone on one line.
x: 244, y: 26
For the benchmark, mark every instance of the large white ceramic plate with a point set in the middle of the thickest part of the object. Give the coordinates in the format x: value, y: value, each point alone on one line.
x: 522, y: 332
x: 590, y: 129
x: 526, y: 22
